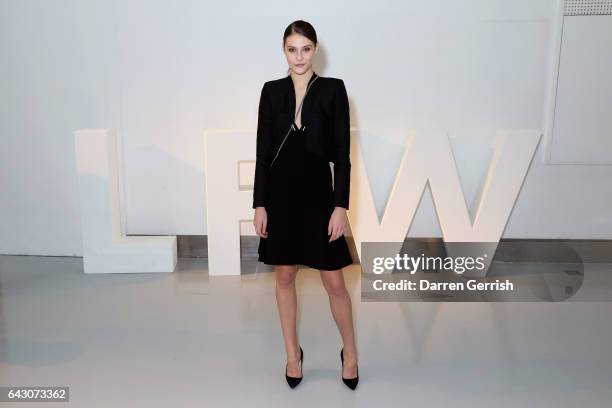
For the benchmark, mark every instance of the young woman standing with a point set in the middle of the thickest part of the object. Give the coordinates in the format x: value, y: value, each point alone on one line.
x: 300, y: 212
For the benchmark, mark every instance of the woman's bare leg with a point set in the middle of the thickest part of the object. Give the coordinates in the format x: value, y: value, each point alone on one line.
x: 286, y: 299
x: 341, y: 308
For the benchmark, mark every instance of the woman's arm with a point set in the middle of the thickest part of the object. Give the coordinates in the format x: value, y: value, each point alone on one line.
x: 342, y: 140
x: 264, y: 140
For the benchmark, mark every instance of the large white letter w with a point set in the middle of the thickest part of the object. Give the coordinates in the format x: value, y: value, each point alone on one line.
x: 428, y: 159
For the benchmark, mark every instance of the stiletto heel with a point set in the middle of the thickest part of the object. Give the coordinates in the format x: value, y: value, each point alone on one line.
x: 350, y: 382
x: 294, y: 381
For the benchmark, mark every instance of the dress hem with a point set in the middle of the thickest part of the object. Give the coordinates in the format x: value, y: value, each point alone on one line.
x: 310, y: 265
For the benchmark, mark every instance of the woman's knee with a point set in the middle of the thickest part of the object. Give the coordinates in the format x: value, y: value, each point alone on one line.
x: 336, y: 290
x: 333, y: 283
x: 285, y: 275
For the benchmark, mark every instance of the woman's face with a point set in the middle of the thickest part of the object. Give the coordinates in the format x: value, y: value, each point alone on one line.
x: 299, y: 51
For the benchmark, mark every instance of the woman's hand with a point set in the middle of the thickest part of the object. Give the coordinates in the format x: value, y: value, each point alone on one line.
x: 337, y: 223
x: 261, y: 222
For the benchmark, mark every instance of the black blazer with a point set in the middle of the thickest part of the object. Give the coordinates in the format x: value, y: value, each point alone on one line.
x: 326, y: 123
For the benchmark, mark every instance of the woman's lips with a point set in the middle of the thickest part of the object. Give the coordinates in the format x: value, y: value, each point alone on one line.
x: 299, y: 65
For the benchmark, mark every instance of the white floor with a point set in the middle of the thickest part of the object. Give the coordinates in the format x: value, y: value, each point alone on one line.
x: 189, y: 340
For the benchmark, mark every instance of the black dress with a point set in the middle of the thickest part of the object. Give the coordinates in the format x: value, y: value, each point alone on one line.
x: 299, y: 209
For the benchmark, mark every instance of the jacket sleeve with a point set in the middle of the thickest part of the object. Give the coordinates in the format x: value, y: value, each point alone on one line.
x: 342, y: 139
x: 264, y: 143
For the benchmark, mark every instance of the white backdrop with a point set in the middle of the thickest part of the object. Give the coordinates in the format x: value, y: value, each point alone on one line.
x: 162, y: 72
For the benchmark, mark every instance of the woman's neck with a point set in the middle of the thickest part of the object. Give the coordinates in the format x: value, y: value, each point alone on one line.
x: 300, y: 81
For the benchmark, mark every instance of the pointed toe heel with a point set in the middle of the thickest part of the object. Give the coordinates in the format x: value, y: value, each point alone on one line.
x: 350, y: 382
x: 294, y: 381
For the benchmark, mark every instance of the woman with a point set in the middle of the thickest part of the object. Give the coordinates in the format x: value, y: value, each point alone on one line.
x: 300, y: 214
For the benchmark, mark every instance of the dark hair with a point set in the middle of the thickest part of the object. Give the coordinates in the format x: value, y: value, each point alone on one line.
x: 300, y: 27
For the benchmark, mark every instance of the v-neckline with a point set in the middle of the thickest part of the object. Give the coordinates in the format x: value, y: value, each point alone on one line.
x: 294, y: 102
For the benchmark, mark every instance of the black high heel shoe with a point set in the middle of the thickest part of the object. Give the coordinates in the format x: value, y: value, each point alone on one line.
x: 294, y: 381
x: 350, y: 382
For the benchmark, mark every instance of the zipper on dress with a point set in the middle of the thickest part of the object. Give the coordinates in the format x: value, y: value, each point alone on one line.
x: 281, y: 145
